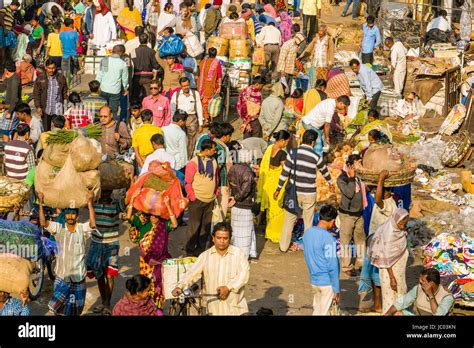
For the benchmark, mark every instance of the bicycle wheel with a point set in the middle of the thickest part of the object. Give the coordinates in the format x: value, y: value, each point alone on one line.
x: 36, y: 279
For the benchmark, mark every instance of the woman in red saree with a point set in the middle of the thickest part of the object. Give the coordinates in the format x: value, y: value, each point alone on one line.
x: 210, y: 79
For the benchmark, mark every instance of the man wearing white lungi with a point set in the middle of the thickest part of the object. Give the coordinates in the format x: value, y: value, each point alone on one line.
x: 242, y: 185
x: 398, y: 59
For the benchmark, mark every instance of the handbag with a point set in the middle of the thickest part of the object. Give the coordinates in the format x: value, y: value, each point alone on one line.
x: 215, y: 106
x: 334, y: 311
x: 290, y: 198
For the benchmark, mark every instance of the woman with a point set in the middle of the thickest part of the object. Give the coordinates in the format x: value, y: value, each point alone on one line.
x: 286, y: 26
x: 173, y: 71
x: 270, y: 170
x: 388, y: 251
x: 362, y: 138
x: 248, y: 108
x: 210, y: 79
x: 375, y: 137
x: 337, y: 84
x: 153, y: 245
x: 77, y: 116
x: 128, y: 19
x: 294, y: 104
x: 105, y: 29
x: 152, y: 15
x: 313, y: 96
x: 321, y: 53
x: 137, y: 301
x: 166, y: 19
x: 271, y: 112
x: 35, y: 48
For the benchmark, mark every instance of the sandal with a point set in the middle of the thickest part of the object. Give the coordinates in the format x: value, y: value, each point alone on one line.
x: 106, y: 311
x: 351, y: 273
x: 98, y: 309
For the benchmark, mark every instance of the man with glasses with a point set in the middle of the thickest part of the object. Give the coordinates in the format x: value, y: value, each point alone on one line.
x: 158, y: 104
x: 320, y: 117
x: 115, y: 137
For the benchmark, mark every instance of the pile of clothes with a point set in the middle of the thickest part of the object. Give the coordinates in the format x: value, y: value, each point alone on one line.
x: 453, y: 256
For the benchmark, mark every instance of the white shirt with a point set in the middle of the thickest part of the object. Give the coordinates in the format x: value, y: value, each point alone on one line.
x: 158, y: 155
x: 269, y: 35
x: 36, y: 128
x: 186, y: 103
x: 398, y: 56
x: 439, y: 23
x: 132, y: 45
x: 105, y: 29
x: 176, y: 144
x: 321, y: 113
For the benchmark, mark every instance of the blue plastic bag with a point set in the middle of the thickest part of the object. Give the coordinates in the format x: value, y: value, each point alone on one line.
x: 170, y: 46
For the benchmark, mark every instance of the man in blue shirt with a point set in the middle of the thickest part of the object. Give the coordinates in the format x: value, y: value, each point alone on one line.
x: 190, y: 68
x: 321, y: 258
x: 69, y: 42
x: 370, y: 83
x: 371, y: 39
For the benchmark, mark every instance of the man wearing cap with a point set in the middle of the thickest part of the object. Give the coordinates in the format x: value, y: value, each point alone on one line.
x: 8, y: 14
x: 288, y: 54
x: 213, y: 18
x: 69, y: 292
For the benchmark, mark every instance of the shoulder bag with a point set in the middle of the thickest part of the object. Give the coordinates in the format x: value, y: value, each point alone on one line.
x: 290, y: 198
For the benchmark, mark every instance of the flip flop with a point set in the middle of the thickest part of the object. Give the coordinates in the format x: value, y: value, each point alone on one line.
x: 98, y: 309
x: 106, y: 311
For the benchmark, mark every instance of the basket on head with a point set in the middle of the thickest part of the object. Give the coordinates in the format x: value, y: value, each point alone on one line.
x: 12, y: 193
x: 395, y: 178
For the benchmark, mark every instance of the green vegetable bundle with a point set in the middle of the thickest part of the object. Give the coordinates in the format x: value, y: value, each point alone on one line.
x: 67, y: 136
x: 20, y: 237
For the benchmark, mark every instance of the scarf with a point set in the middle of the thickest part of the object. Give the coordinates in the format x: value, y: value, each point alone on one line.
x: 177, y: 67
x: 103, y: 8
x: 208, y: 171
x: 186, y: 21
x: 277, y: 90
x: 127, y: 306
x: 210, y: 74
x: 332, y: 73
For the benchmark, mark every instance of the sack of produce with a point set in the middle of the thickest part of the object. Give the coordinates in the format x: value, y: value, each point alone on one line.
x: 85, y: 155
x: 91, y: 179
x: 56, y: 154
x: 220, y: 44
x: 382, y: 157
x: 15, y: 274
x: 12, y: 193
x: 115, y: 175
x: 173, y: 272
x: 232, y: 30
x: 239, y: 48
x: 21, y: 238
x: 193, y: 46
x: 170, y: 46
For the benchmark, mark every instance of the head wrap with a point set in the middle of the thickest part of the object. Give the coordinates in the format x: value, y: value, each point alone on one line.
x: 277, y: 90
x: 103, y: 8
x: 217, y: 2
x: 71, y: 211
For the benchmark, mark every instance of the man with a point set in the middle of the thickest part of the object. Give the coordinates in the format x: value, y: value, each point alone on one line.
x: 439, y: 29
x: 112, y: 76
x: 133, y: 44
x: 243, y: 184
x: 141, y: 140
x: 189, y: 102
x: 287, y: 58
x: 210, y: 80
x: 190, y: 68
x: 94, y: 102
x: 370, y: 83
x: 201, y: 186
x: 307, y: 164
x: 398, y: 60
x: 54, y: 49
x: 371, y: 39
x: 311, y: 10
x: 320, y: 118
x: 158, y: 104
x: 213, y: 18
x: 159, y: 154
x: 49, y: 93
x: 355, y: 8
x: 89, y: 14
x: 19, y: 155
x: 11, y: 306
x: 145, y: 67
x: 70, y: 43
x: 270, y: 39
x: 115, y: 138
x: 176, y: 141
x: 225, y: 270
x: 248, y: 108
x: 78, y: 6
x: 320, y: 254
x: 172, y: 72
x: 351, y: 218
x: 429, y: 297
x: 102, y: 258
x: 224, y: 163
x: 23, y: 112
x: 69, y: 292
x: 13, y: 89
x: 8, y: 14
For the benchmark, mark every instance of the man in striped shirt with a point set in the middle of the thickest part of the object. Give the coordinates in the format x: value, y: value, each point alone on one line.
x: 19, y: 155
x: 102, y: 259
x: 308, y: 163
x: 8, y: 14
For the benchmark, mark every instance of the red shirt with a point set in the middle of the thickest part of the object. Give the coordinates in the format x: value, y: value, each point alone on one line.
x: 160, y: 108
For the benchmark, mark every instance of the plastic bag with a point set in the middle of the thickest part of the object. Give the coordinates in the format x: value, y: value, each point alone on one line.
x: 170, y: 46
x: 193, y: 46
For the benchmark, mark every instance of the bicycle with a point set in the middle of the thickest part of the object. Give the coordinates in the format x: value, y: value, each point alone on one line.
x: 189, y: 300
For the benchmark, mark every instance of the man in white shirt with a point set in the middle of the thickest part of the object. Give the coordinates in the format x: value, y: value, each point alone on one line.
x: 320, y: 117
x: 23, y: 112
x: 441, y: 22
x: 398, y: 59
x: 270, y: 39
x: 190, y: 102
x: 175, y: 139
x: 159, y: 154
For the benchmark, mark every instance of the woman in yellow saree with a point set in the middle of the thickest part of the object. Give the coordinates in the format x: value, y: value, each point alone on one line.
x: 362, y: 139
x: 270, y: 170
x: 128, y: 19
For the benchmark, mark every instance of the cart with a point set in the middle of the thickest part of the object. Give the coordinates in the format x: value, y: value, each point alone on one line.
x: 235, y: 78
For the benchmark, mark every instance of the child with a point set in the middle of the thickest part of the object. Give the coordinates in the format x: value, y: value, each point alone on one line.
x: 77, y: 116
x: 136, y: 118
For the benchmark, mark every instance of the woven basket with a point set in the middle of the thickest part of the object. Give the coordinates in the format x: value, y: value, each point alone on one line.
x: 12, y: 192
x: 398, y: 178
x: 457, y: 149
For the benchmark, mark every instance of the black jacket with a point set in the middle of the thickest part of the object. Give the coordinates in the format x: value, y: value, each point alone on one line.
x: 242, y: 185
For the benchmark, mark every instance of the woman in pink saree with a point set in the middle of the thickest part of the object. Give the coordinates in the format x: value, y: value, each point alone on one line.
x: 248, y: 108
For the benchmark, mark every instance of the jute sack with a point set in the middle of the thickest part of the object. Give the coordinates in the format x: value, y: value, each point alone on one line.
x: 44, y: 175
x: 85, y: 156
x: 115, y: 175
x: 91, y: 179
x: 380, y: 157
x: 56, y: 154
x: 15, y: 274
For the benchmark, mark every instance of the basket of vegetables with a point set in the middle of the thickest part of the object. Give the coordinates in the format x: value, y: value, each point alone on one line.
x: 12, y: 193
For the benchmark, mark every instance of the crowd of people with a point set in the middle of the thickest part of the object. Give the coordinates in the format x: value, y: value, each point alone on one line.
x: 157, y: 109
